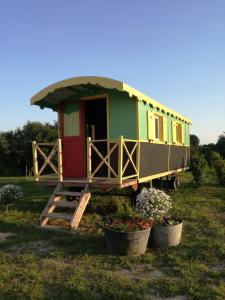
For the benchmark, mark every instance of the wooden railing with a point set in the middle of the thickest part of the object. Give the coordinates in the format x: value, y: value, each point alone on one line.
x: 50, y: 154
x: 113, y: 159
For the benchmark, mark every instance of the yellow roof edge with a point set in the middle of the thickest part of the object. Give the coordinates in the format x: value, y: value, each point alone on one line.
x: 106, y: 83
x: 132, y: 91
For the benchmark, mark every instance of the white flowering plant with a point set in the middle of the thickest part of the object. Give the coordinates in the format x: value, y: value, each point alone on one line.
x: 9, y: 194
x: 153, y: 203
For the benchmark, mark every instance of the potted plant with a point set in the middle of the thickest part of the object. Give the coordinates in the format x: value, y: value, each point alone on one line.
x: 168, y: 231
x: 127, y: 235
x: 155, y: 204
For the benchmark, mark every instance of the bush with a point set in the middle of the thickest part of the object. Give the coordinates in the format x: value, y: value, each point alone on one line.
x: 9, y: 194
x: 109, y: 204
x: 199, y: 168
x: 220, y: 171
x: 212, y: 158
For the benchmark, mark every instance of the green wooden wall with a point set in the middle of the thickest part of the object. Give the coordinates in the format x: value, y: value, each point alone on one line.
x: 143, y: 108
x: 122, y: 116
x: 123, y: 120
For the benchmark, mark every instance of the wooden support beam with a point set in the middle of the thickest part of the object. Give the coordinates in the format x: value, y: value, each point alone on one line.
x: 89, y: 159
x: 60, y: 168
x: 35, y: 160
x: 120, y: 160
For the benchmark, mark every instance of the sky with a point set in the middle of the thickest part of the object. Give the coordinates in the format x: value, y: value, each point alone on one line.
x: 171, y: 50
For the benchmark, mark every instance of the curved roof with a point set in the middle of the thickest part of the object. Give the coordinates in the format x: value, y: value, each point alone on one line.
x: 59, y: 91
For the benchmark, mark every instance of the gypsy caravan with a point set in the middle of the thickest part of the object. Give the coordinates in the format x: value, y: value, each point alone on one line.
x: 110, y: 136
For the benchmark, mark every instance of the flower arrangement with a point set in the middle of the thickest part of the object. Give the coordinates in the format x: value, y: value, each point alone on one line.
x: 153, y: 203
x: 128, y: 223
x: 9, y: 194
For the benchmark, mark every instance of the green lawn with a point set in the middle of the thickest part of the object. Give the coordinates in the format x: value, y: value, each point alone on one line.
x: 38, y: 264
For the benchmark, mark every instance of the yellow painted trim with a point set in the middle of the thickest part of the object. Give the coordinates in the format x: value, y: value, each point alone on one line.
x: 137, y: 120
x: 106, y: 83
x: 120, y: 160
x: 143, y: 179
x: 58, y: 114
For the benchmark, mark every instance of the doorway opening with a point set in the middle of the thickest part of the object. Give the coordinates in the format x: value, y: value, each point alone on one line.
x: 95, y: 127
x: 95, y: 119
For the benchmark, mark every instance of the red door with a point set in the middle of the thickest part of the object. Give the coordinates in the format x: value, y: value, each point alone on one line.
x: 71, y: 119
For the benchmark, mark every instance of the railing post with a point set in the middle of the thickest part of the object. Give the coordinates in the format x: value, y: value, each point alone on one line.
x: 89, y: 159
x: 35, y: 160
x: 120, y: 159
x: 60, y: 169
x: 138, y: 158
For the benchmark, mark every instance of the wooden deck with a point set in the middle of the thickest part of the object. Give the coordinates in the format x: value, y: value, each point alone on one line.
x: 81, y: 182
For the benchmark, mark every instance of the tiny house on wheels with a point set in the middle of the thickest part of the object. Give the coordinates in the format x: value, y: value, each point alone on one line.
x: 110, y: 136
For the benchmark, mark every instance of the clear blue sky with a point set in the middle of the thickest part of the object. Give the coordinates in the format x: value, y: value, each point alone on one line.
x: 172, y: 50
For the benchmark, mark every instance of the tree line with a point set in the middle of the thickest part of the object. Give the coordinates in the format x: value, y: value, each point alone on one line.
x: 16, y: 146
x: 16, y: 151
x: 208, y: 160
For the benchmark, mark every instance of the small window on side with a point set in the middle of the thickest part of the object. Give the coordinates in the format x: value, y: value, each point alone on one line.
x: 159, y: 130
x: 156, y: 118
x: 157, y: 127
x: 179, y: 133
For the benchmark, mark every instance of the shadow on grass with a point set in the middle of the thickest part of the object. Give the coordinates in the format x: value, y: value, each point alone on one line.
x: 60, y: 243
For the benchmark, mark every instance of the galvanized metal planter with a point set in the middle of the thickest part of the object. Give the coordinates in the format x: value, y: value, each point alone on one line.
x: 167, y: 235
x: 127, y: 243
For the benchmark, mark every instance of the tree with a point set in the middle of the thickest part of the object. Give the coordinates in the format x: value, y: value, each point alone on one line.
x: 220, y: 171
x: 220, y: 145
x: 198, y: 168
x: 194, y: 141
x: 16, y: 149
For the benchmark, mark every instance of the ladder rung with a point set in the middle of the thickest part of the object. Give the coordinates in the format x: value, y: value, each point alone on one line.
x: 59, y: 216
x: 72, y: 204
x: 68, y: 193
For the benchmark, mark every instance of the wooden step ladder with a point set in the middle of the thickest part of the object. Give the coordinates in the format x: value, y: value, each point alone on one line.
x: 77, y: 207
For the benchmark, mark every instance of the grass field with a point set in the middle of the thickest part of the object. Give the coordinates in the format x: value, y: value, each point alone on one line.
x: 37, y: 264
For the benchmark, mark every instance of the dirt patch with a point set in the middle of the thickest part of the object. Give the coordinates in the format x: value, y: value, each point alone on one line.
x: 5, y: 235
x: 178, y: 297
x: 141, y: 272
x: 40, y: 248
x: 218, y: 267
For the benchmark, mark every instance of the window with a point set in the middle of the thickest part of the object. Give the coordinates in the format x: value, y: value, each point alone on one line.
x: 177, y: 133
x: 71, y: 119
x: 157, y: 127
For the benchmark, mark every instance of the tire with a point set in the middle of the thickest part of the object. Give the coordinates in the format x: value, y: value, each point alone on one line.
x: 174, y: 183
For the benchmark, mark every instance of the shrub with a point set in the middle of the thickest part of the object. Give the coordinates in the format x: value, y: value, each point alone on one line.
x: 153, y: 203
x: 9, y: 194
x: 220, y: 171
x: 198, y: 168
x: 109, y: 204
x: 212, y: 158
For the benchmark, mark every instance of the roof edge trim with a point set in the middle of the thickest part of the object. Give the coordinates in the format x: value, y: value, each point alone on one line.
x: 107, y: 83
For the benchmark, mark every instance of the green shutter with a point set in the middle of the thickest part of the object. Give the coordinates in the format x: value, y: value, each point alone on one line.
x: 151, y: 133
x: 71, y: 119
x: 164, y: 129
